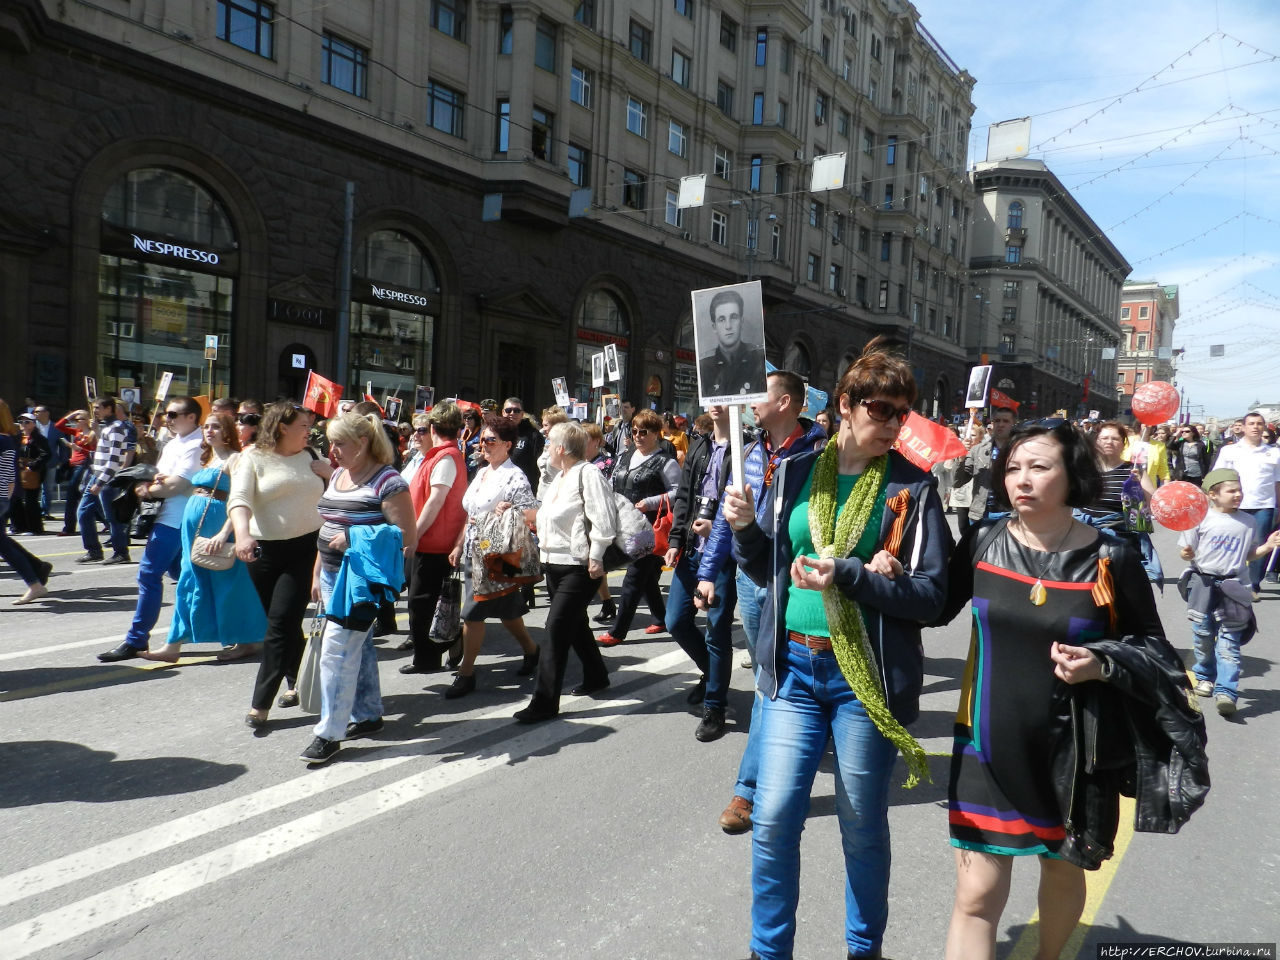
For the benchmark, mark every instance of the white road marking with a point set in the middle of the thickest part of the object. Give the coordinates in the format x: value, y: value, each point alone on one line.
x: 73, y: 645
x: 64, y: 923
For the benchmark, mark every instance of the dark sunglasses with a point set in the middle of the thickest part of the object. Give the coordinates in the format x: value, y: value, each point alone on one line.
x: 489, y: 440
x: 170, y: 414
x: 882, y: 411
x: 639, y: 431
x: 421, y: 429
x: 249, y: 419
x: 513, y: 410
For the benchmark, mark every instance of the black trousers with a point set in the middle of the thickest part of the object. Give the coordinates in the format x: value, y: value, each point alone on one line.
x: 641, y: 580
x: 25, y: 515
x: 427, y: 574
x: 282, y: 577
x: 571, y: 590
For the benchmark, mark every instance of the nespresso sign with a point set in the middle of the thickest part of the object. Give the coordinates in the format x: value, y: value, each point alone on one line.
x: 370, y: 291
x: 126, y: 243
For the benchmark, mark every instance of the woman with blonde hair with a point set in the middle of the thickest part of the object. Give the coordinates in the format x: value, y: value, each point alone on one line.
x: 34, y: 572
x: 366, y: 491
x: 274, y: 491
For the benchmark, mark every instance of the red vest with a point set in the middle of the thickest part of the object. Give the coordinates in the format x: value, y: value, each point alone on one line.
x: 443, y: 532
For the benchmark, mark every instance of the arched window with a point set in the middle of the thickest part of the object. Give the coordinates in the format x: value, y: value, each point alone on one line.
x: 395, y: 296
x: 1015, y: 214
x: 602, y: 318
x: 797, y: 359
x: 165, y: 286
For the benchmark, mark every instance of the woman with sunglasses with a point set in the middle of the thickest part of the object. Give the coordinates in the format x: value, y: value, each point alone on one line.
x: 34, y: 572
x: 855, y: 556
x: 644, y: 475
x: 247, y: 422
x: 1108, y: 509
x: 1041, y: 585
x: 213, y: 606
x: 498, y: 486
x: 274, y: 491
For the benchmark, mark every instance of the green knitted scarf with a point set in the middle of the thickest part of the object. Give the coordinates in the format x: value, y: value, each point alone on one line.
x: 832, y: 538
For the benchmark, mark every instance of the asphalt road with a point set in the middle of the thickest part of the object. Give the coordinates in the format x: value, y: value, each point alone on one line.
x: 139, y: 816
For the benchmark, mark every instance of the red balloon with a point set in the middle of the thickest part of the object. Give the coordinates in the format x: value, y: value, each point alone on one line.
x: 1156, y: 402
x: 1179, y: 505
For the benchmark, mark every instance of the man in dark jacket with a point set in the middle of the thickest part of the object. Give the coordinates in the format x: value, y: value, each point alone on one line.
x: 706, y: 468
x: 528, y: 446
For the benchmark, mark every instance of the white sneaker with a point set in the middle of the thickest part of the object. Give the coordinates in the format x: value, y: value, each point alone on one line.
x: 1226, y: 705
x: 1204, y: 688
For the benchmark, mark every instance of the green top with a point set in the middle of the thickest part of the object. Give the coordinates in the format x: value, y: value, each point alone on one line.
x: 805, y: 612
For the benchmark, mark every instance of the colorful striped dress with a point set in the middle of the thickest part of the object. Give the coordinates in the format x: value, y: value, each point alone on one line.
x: 1001, y: 794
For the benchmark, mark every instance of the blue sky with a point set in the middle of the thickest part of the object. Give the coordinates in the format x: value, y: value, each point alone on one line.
x: 1163, y: 119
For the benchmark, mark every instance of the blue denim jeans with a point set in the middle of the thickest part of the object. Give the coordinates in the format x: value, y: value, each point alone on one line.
x: 162, y: 554
x: 713, y: 653
x: 815, y: 704
x: 1217, y: 655
x: 1263, y: 520
x: 751, y: 599
x: 349, y: 688
x: 89, y: 513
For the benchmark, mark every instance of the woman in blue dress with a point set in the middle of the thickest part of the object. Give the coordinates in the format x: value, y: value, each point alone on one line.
x: 213, y: 606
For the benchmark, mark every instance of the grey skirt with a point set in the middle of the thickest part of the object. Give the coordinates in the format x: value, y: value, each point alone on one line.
x: 510, y: 606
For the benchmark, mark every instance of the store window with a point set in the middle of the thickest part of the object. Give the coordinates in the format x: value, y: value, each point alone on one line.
x: 601, y: 319
x: 395, y: 295
x: 166, y: 286
x: 684, y: 382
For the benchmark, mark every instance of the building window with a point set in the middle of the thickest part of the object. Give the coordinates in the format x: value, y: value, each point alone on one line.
x: 389, y: 343
x: 875, y: 47
x: 780, y: 117
x: 891, y: 151
x: 888, y: 196
x: 935, y: 280
x: 1139, y: 376
x: 502, y: 136
x: 638, y: 117
x: 776, y: 241
x: 450, y: 17
x: 724, y: 98
x: 544, y: 47
x: 850, y: 23
x: 346, y: 66
x: 873, y: 92
x: 757, y: 166
x: 1142, y: 342
x: 1013, y: 253
x: 722, y: 162
x: 882, y: 296
x: 1144, y: 313
x: 837, y: 226
x: 762, y: 46
x: 543, y: 134
x: 674, y: 215
x: 1124, y: 313
x: 784, y: 59
x: 824, y: 48
x: 860, y: 290
x: 1009, y: 315
x: 815, y: 214
x: 248, y: 24
x: 842, y: 123
x: 602, y: 312
x: 757, y: 108
x: 946, y: 325
x: 728, y: 32
x: 719, y: 228
x: 933, y: 320
x: 580, y: 80
x: 681, y: 71
x: 684, y: 8
x: 886, y: 246
x: 835, y: 279
x: 444, y: 108
x: 814, y: 268
x: 846, y: 71
x: 579, y: 158
x: 919, y: 271
x: 677, y: 139
x: 915, y: 313
x: 1012, y: 288
x: 820, y: 108
x: 779, y: 178
x: 1008, y: 345
x: 641, y: 41
x: 506, y: 28
x: 753, y: 234
x: 1015, y: 215
x: 864, y: 240
x: 865, y: 192
x: 632, y: 188
x: 585, y: 13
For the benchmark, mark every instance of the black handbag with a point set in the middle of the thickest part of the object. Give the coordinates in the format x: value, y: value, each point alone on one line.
x: 446, y: 622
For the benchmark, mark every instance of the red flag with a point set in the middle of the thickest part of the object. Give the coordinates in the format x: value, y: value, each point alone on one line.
x: 925, y: 443
x: 322, y: 395
x: 998, y: 398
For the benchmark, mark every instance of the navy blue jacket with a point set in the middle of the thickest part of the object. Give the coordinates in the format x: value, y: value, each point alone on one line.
x: 755, y: 459
x: 893, y: 610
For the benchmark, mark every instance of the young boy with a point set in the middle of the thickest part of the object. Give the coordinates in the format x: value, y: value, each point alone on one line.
x: 1219, y: 597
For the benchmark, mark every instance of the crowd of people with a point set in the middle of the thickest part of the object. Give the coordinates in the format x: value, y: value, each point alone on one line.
x: 832, y: 552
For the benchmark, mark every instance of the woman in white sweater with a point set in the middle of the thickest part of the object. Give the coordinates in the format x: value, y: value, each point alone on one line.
x: 274, y: 491
x: 576, y: 524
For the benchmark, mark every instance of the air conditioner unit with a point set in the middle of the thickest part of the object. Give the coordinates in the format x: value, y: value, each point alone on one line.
x: 843, y: 293
x: 687, y: 235
x: 800, y: 154
x: 819, y: 121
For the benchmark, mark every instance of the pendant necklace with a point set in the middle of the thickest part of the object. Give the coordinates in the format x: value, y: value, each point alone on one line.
x: 1038, y: 593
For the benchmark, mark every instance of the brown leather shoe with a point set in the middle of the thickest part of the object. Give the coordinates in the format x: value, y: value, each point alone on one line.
x: 737, y: 816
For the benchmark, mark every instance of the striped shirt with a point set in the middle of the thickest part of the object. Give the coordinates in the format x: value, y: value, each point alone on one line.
x: 109, y: 455
x: 340, y: 509
x: 8, y: 467
x: 1110, y: 500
